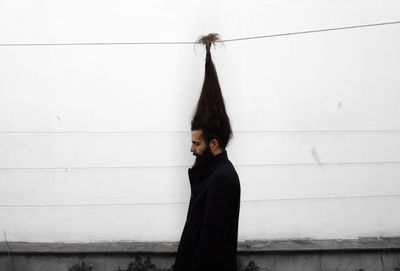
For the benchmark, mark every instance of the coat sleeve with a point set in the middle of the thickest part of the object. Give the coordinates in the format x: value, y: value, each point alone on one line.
x: 217, y: 224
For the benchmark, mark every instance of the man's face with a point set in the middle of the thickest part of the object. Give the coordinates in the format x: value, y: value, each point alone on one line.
x: 198, y: 143
x: 200, y: 149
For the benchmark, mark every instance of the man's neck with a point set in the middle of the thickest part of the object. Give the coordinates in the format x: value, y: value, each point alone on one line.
x: 217, y: 151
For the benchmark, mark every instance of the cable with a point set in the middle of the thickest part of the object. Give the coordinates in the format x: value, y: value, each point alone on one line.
x: 192, y: 42
x: 88, y: 205
x: 186, y: 203
x: 313, y: 31
x: 324, y: 198
x: 187, y: 166
x: 187, y: 132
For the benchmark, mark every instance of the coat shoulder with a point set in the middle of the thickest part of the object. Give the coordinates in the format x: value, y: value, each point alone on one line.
x: 225, y: 175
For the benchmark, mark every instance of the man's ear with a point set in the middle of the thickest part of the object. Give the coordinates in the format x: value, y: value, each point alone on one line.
x: 214, y: 145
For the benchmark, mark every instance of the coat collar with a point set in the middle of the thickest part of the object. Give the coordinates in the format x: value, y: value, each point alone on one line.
x: 221, y: 156
x: 199, y: 173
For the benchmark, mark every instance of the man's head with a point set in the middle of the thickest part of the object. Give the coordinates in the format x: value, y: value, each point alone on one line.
x: 200, y: 144
x: 204, y: 149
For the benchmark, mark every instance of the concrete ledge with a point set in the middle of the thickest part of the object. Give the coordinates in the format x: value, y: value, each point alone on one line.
x: 301, y: 245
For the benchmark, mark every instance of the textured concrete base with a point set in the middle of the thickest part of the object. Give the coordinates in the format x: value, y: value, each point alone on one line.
x: 327, y: 261
x: 362, y: 254
x: 85, y: 262
x: 282, y: 261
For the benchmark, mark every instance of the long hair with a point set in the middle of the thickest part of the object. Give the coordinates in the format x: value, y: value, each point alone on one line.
x: 210, y: 115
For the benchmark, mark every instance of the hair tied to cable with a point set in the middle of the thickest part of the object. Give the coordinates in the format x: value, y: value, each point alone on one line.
x: 209, y: 39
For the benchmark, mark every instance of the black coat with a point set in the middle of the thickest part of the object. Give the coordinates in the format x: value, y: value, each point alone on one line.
x: 209, y: 238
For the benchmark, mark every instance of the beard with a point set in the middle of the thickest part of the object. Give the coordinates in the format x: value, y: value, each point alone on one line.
x: 203, y: 158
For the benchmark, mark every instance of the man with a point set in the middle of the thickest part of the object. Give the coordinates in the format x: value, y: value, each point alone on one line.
x: 209, y: 238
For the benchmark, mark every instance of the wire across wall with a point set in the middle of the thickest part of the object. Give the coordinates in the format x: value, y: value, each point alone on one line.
x: 186, y: 203
x: 314, y: 31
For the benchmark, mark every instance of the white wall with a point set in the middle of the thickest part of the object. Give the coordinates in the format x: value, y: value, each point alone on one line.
x: 94, y: 140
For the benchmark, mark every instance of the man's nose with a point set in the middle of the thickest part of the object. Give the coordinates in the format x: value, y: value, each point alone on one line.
x: 192, y: 148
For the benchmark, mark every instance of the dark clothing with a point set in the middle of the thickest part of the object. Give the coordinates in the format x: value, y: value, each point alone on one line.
x: 209, y: 238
